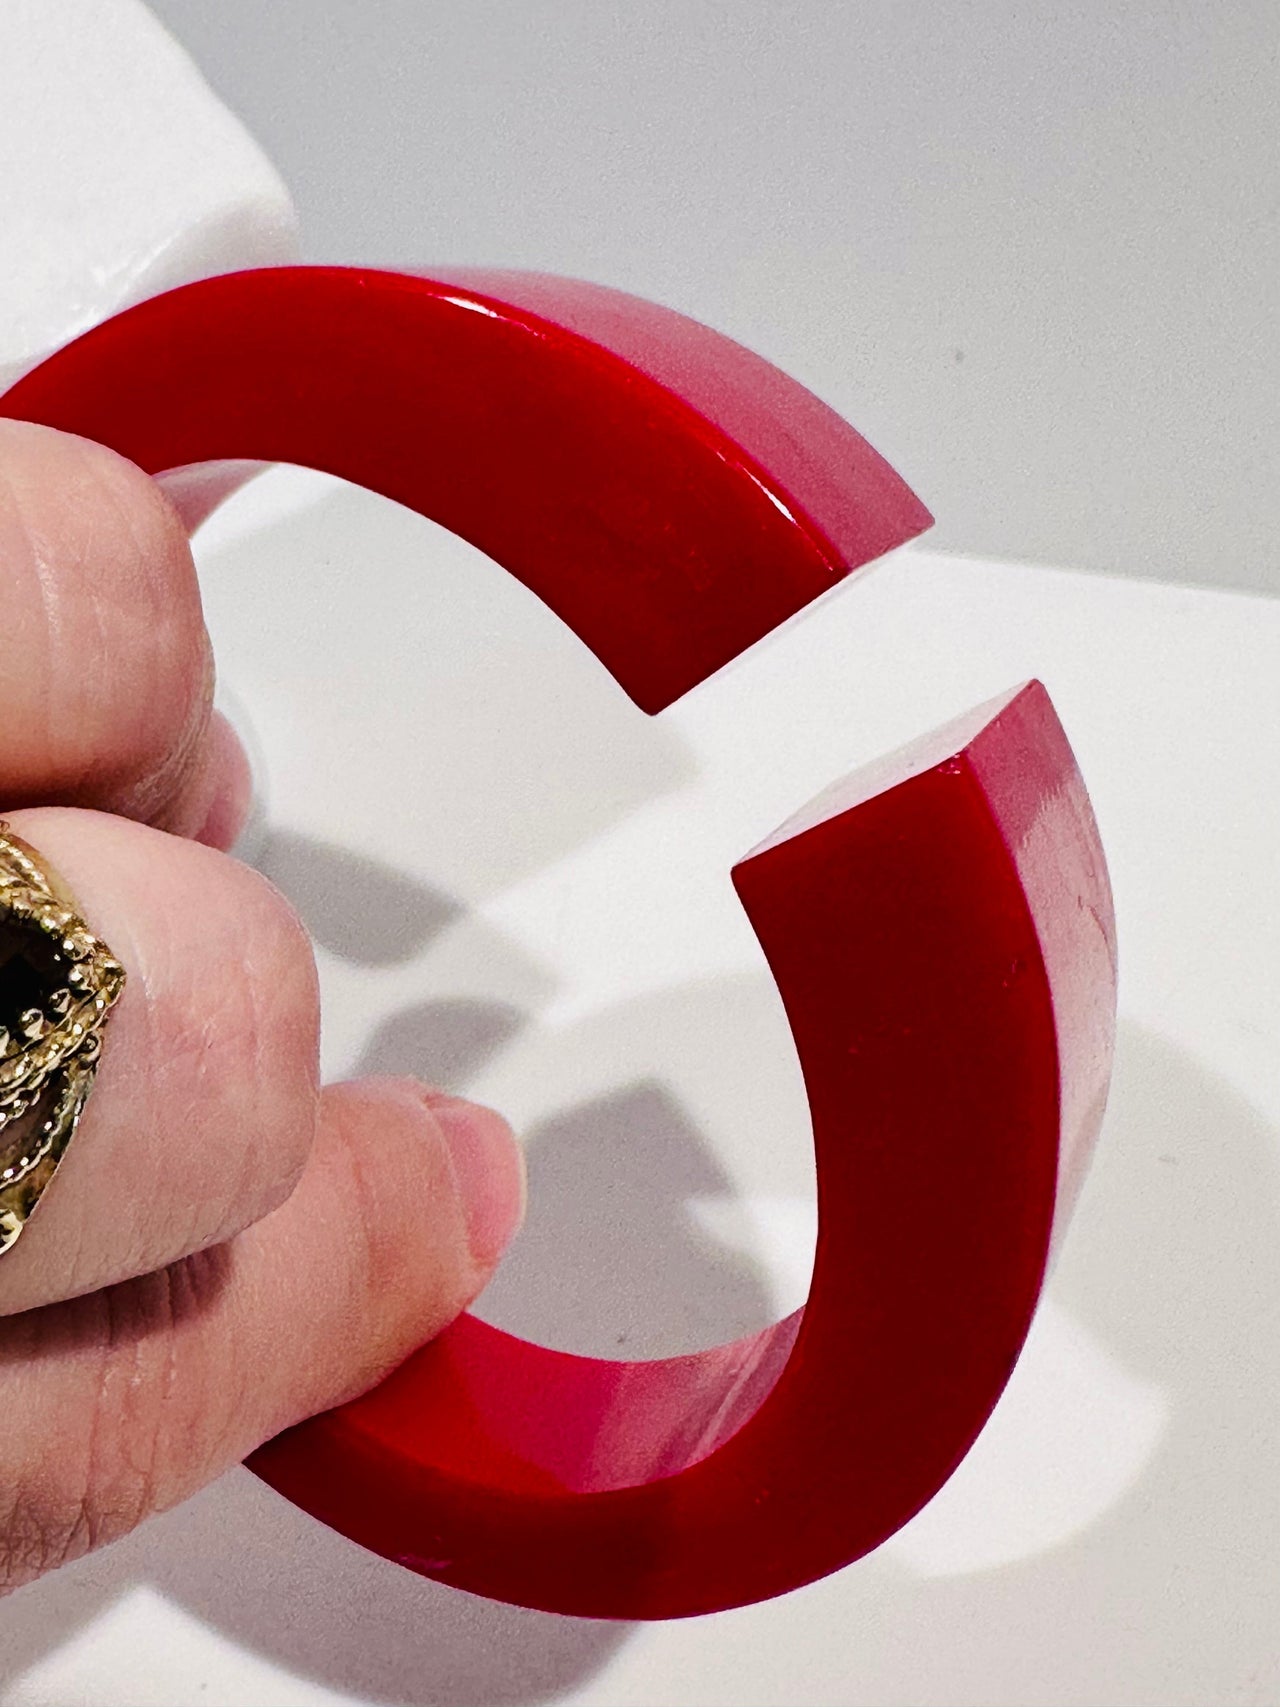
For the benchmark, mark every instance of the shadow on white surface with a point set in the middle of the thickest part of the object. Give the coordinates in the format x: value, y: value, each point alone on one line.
x: 610, y: 1261
x: 1173, y: 1580
x: 1120, y: 1544
x: 618, y: 1255
x: 397, y: 916
x: 503, y: 743
x: 447, y: 1041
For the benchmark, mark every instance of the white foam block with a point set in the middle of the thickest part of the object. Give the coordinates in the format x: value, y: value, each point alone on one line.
x: 121, y: 173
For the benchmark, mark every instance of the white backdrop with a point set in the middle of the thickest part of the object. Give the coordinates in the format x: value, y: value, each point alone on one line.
x: 565, y: 944
x: 1030, y: 250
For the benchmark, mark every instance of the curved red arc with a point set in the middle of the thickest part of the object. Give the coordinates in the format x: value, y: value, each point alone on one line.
x: 940, y: 928
x: 634, y: 499
x: 801, y: 450
x: 934, y: 1085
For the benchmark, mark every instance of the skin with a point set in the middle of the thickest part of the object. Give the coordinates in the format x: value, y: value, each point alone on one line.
x: 228, y: 1247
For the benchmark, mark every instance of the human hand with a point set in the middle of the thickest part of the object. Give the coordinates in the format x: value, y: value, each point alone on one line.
x: 227, y: 1248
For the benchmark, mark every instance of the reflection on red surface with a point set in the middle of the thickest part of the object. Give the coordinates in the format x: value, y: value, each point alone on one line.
x: 939, y: 927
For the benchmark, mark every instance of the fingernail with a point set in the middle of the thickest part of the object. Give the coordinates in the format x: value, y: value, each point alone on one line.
x: 489, y: 1171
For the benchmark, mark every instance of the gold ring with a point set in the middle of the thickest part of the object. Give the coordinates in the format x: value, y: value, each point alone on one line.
x: 58, y: 982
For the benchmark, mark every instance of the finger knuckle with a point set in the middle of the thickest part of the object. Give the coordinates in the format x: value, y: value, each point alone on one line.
x: 281, y: 1014
x: 121, y: 1421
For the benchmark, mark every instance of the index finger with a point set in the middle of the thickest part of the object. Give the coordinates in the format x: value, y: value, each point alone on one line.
x: 106, y: 670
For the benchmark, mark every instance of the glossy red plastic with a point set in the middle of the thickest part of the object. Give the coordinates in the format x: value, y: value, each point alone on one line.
x: 672, y: 496
x: 939, y: 926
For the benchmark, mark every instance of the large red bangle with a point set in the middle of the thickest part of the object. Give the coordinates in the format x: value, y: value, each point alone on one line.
x: 940, y: 926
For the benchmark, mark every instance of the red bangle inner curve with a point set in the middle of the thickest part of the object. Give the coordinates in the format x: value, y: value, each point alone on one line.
x: 939, y: 928
x: 486, y: 1406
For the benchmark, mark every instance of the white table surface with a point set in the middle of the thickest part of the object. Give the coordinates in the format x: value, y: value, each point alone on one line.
x: 569, y: 948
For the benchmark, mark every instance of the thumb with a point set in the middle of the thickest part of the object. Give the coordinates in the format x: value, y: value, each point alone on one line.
x: 126, y: 1401
x: 407, y: 1203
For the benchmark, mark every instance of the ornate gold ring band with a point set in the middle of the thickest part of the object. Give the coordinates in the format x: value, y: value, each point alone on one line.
x: 58, y: 982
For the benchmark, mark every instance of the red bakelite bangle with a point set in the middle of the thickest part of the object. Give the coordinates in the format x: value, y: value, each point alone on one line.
x: 940, y: 926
